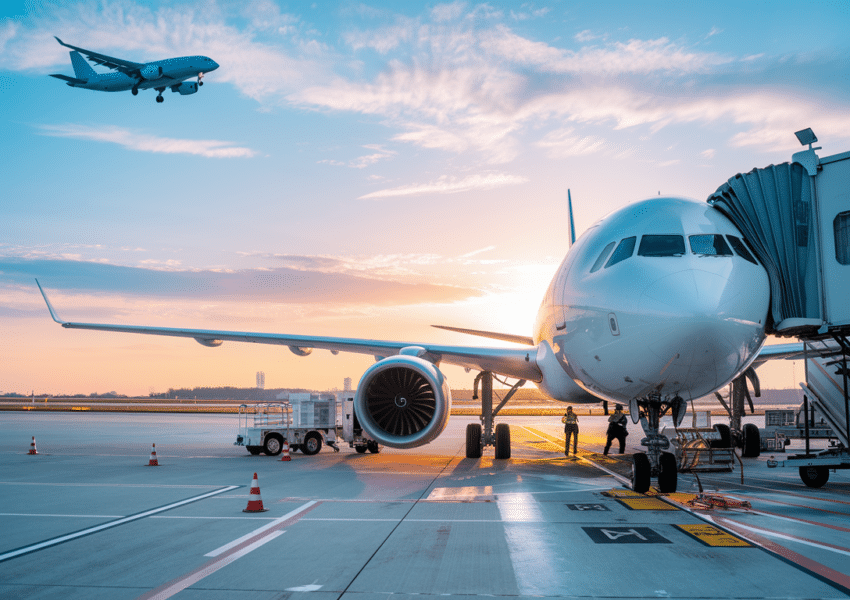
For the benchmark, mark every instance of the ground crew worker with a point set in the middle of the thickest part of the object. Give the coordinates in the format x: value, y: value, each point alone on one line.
x: 570, y: 421
x: 616, y: 429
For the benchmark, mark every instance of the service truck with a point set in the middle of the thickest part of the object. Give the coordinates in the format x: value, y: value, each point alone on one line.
x: 306, y: 421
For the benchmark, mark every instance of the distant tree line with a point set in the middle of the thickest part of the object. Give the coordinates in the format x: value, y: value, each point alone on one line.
x: 225, y: 393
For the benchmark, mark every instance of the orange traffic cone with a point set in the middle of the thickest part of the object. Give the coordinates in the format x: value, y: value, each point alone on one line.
x: 32, y: 447
x: 153, y: 462
x: 285, y: 454
x: 255, y: 501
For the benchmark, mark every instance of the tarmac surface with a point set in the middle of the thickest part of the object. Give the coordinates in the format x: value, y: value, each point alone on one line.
x: 87, y: 518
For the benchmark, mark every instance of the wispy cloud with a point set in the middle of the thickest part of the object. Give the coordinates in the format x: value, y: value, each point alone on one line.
x: 450, y: 185
x: 142, y: 142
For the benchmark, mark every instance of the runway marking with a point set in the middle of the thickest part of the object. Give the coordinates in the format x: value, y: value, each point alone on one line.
x: 807, y: 506
x: 831, y: 576
x: 645, y: 504
x: 788, y: 536
x: 109, y: 525
x: 713, y: 536
x: 110, y: 485
x: 775, y: 490
x: 63, y: 516
x: 798, y: 520
x: 256, y: 532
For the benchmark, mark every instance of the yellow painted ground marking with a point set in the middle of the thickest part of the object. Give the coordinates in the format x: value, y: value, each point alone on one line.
x: 712, y: 536
x: 618, y: 493
x: 646, y: 504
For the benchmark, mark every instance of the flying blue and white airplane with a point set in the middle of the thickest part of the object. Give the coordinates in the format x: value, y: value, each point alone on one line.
x: 658, y: 303
x: 159, y: 74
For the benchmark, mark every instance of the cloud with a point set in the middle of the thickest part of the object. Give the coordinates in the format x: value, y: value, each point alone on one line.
x: 450, y: 185
x: 134, y: 140
x: 563, y: 143
x: 284, y: 285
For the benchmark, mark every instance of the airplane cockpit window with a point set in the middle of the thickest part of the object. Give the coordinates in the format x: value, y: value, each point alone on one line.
x: 709, y: 245
x: 602, y: 256
x: 662, y: 245
x: 741, y: 248
x: 623, y: 251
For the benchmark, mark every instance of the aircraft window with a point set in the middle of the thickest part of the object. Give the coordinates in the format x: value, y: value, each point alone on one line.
x: 741, y: 249
x: 661, y: 245
x: 623, y: 251
x: 841, y: 229
x: 605, y: 252
x: 709, y: 245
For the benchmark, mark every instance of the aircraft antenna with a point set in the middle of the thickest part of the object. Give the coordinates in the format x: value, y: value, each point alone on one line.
x: 572, y: 221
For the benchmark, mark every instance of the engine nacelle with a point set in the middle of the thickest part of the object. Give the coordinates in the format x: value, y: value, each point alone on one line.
x: 186, y: 88
x: 403, y: 402
x: 151, y: 72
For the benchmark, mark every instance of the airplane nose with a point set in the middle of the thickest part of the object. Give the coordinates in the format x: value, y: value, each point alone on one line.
x: 213, y: 65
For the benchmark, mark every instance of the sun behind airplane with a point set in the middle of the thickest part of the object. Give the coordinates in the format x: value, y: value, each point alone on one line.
x: 159, y: 74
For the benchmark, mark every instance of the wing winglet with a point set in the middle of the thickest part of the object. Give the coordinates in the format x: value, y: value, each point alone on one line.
x: 49, y: 306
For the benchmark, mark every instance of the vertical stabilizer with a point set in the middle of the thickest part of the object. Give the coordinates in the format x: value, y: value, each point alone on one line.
x: 82, y: 69
x: 572, y: 221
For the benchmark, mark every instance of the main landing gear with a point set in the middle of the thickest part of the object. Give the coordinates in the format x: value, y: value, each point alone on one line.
x: 159, y: 97
x: 655, y: 462
x: 135, y: 90
x: 483, y: 434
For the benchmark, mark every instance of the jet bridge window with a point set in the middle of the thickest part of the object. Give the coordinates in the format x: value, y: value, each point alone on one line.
x: 662, y: 245
x: 841, y: 225
x: 741, y: 248
x: 602, y: 256
x: 623, y: 251
x: 709, y: 245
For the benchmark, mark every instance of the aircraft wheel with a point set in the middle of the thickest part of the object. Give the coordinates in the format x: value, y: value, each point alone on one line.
x: 473, y: 440
x: 160, y: 99
x: 814, y: 477
x: 135, y: 91
x: 200, y: 83
x: 273, y: 445
x: 669, y: 475
x: 373, y: 447
x: 641, y: 472
x: 253, y: 450
x: 312, y: 444
x: 503, y: 441
x: 360, y: 449
x: 725, y: 440
x: 752, y: 441
x: 293, y: 447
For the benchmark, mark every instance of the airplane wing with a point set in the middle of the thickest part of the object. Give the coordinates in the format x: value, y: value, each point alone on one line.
x: 124, y: 66
x: 505, y: 337
x: 519, y: 363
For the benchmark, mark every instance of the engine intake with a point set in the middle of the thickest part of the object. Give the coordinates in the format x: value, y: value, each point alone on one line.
x: 403, y: 402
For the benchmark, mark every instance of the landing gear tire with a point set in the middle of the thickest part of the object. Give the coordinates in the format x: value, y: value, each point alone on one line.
x: 473, y: 440
x: 254, y: 450
x: 814, y: 477
x: 273, y: 445
x: 503, y: 441
x: 312, y: 444
x: 135, y: 91
x: 293, y: 447
x: 752, y: 441
x: 373, y: 447
x: 160, y: 99
x: 641, y: 473
x: 360, y: 449
x: 668, y: 477
x: 725, y: 440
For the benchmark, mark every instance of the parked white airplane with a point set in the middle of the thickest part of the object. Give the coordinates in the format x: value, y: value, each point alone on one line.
x: 657, y: 303
x: 159, y: 74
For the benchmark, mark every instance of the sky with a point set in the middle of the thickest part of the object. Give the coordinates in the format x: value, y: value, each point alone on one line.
x: 364, y: 169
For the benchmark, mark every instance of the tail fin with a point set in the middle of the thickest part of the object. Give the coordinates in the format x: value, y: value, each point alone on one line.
x: 82, y: 69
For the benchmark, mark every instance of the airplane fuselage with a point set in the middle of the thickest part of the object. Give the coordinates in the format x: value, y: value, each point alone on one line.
x: 173, y: 72
x: 660, y: 297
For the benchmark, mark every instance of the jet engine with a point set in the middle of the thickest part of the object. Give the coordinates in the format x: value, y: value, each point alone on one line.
x: 186, y: 88
x: 403, y: 401
x: 151, y: 72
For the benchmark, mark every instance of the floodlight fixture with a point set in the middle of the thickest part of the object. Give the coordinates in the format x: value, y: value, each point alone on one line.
x: 806, y: 136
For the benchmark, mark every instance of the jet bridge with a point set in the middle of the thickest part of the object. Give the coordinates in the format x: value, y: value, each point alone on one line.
x: 796, y: 217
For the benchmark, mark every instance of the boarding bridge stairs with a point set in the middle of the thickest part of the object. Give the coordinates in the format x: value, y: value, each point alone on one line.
x: 827, y: 386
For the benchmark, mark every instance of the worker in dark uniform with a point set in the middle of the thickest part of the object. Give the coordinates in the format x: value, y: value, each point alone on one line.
x: 616, y: 429
x: 570, y: 421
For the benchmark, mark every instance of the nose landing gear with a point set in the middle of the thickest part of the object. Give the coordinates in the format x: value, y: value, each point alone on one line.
x: 200, y: 76
x: 655, y: 462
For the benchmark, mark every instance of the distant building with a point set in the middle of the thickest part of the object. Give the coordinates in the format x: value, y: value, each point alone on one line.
x: 346, y: 384
x: 261, y: 380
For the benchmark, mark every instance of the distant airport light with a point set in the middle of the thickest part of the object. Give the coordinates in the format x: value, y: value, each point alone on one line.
x: 806, y: 136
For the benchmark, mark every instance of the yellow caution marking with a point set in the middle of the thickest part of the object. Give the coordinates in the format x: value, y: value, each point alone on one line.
x: 681, y: 498
x: 646, y: 504
x: 712, y: 536
x: 618, y: 493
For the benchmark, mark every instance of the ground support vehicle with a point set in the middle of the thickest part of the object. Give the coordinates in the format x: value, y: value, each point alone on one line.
x: 783, y: 425
x: 305, y: 421
x: 702, y: 447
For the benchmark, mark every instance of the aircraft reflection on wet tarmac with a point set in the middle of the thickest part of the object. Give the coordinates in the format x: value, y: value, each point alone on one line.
x: 86, y: 518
